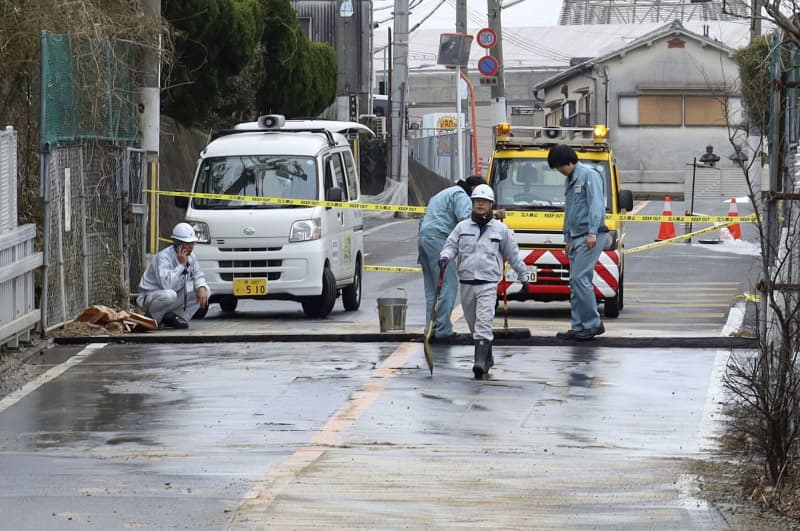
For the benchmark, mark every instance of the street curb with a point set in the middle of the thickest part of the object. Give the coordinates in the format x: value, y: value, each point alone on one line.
x: 462, y: 339
x: 25, y: 355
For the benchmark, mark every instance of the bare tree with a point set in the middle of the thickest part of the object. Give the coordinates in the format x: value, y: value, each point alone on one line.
x: 766, y: 383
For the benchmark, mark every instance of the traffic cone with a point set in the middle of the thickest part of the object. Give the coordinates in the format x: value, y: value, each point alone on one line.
x: 667, y: 228
x: 735, y: 229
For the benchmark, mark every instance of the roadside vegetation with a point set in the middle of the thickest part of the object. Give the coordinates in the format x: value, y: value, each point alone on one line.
x: 222, y: 61
x: 762, y: 439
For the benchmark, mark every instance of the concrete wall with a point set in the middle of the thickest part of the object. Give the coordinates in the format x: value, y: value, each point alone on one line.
x: 653, y: 159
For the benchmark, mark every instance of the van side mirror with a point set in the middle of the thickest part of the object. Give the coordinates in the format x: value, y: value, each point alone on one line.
x: 625, y: 200
x: 181, y: 201
x: 334, y: 194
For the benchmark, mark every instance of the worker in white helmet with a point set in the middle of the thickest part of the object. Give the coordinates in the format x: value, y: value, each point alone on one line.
x: 173, y: 288
x: 479, y: 244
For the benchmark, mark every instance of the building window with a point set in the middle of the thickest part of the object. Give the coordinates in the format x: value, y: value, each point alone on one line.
x: 660, y: 110
x: 677, y: 111
x: 705, y: 110
x: 554, y: 118
x: 305, y: 25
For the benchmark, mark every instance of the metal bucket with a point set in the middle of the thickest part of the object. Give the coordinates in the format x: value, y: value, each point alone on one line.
x: 392, y: 313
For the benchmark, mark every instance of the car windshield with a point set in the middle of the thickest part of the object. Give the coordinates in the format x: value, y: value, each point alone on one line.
x: 530, y: 184
x: 255, y: 175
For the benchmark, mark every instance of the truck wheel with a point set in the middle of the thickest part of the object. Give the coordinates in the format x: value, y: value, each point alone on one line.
x: 228, y: 304
x: 321, y: 305
x: 612, y: 306
x: 351, y: 295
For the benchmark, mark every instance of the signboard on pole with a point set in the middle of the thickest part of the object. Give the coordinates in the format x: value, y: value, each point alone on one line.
x: 487, y: 38
x: 488, y: 65
x: 454, y: 49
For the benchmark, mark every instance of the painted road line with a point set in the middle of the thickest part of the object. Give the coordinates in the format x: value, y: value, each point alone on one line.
x: 257, y: 499
x: 48, y: 376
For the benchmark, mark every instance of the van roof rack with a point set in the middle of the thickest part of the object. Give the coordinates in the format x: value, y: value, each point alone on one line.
x: 215, y: 134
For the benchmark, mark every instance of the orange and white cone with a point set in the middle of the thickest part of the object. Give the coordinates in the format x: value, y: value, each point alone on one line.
x: 667, y: 228
x: 734, y: 228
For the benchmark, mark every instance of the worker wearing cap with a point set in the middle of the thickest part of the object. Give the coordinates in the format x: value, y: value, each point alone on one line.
x: 479, y: 244
x: 173, y: 288
x: 444, y: 211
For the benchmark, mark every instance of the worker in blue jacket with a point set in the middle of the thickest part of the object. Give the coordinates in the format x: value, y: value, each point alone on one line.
x: 585, y: 237
x: 445, y: 210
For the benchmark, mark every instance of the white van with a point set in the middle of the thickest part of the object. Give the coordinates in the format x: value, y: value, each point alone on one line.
x: 257, y: 250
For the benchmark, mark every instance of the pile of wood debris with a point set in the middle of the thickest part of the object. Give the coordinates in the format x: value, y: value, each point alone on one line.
x: 99, y: 320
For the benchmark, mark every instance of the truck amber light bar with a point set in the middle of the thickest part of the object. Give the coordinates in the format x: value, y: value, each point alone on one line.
x: 551, y: 135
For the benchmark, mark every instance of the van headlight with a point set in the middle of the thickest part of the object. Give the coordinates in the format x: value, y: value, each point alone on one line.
x: 306, y: 230
x: 201, y: 230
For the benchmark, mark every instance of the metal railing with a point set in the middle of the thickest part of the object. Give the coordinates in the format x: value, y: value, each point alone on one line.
x: 18, y: 259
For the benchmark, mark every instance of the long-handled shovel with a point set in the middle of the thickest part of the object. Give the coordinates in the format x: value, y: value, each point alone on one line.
x: 432, y: 323
x: 505, y: 305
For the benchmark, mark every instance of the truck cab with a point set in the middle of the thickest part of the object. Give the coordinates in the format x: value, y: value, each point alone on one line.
x: 287, y: 248
x: 533, y: 196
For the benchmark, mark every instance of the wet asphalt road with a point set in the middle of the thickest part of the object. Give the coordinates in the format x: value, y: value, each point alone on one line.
x: 345, y: 436
x: 302, y: 436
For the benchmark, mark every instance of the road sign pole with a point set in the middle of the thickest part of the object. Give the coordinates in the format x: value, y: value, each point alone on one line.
x: 459, y: 138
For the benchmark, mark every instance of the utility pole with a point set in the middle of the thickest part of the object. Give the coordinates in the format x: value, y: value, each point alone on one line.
x: 461, y: 27
x: 755, y: 19
x: 347, y: 32
x: 499, y: 90
x: 149, y: 116
x: 399, y: 170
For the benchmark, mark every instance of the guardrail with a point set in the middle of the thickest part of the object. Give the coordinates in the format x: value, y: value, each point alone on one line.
x: 18, y: 261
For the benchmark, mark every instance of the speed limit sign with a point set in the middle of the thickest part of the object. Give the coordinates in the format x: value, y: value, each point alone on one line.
x: 487, y: 38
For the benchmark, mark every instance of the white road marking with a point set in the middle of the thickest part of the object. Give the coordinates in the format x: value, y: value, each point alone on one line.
x: 48, y: 376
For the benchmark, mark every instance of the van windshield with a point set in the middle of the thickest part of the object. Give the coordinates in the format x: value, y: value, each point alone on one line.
x: 256, y: 176
x: 530, y: 184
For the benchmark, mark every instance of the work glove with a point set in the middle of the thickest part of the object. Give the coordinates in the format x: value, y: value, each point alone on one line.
x: 443, y: 262
x: 524, y: 288
x: 500, y: 214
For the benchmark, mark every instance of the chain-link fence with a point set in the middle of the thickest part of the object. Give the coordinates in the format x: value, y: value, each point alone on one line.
x: 94, y: 228
x: 92, y: 180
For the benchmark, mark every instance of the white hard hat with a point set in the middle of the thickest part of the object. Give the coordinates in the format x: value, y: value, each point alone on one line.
x: 183, y: 232
x: 483, y: 191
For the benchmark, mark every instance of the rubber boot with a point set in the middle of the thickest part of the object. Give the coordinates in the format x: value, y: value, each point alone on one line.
x: 489, y: 359
x: 482, y: 352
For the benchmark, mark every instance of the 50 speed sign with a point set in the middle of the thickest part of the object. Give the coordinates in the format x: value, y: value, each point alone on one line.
x: 486, y: 38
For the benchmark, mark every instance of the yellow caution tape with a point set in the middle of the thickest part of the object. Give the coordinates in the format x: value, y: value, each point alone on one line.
x: 670, y: 241
x: 421, y: 210
x: 294, y: 202
x: 749, y: 297
x: 393, y: 269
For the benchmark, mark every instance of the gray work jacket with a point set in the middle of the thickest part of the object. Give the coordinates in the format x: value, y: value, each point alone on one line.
x: 480, y: 253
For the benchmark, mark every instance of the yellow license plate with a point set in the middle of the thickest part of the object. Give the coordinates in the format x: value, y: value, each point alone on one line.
x: 244, y: 287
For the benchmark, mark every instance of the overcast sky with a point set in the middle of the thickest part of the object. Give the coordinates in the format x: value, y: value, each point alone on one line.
x: 526, y: 13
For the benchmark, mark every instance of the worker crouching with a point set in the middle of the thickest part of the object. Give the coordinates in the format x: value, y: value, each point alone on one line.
x: 479, y: 244
x: 173, y: 288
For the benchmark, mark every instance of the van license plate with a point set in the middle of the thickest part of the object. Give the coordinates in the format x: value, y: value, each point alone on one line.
x: 244, y: 287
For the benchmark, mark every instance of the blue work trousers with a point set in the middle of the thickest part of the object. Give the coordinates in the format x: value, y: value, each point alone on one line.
x: 429, y: 249
x: 583, y: 303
